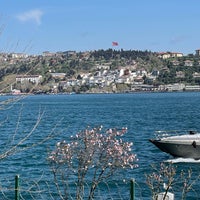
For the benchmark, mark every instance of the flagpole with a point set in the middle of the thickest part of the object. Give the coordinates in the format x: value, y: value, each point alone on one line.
x: 114, y: 44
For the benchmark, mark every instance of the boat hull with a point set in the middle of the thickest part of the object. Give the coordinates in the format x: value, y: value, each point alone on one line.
x: 189, y: 150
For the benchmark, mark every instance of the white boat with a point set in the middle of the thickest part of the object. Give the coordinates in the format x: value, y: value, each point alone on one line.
x: 185, y: 145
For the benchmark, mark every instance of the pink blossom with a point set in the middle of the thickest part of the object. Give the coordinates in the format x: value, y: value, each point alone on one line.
x: 89, y: 149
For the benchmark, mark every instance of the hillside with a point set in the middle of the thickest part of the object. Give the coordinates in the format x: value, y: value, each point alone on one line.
x: 96, y: 71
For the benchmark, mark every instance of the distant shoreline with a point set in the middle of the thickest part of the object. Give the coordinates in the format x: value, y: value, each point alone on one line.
x: 132, y: 92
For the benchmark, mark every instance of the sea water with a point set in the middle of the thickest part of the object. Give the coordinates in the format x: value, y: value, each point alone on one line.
x: 65, y: 115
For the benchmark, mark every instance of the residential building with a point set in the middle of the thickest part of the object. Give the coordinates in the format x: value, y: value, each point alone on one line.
x: 196, y: 75
x: 175, y: 87
x: 58, y: 75
x: 29, y: 78
x: 188, y: 63
x: 180, y: 74
x: 175, y: 63
x: 48, y: 54
x: 176, y: 54
x: 197, y: 52
x: 166, y: 55
x: 192, y: 88
x: 18, y: 55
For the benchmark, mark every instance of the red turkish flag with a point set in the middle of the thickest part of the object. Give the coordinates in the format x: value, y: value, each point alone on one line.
x: 114, y: 43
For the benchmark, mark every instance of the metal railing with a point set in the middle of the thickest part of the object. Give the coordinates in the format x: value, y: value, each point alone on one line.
x: 21, y: 189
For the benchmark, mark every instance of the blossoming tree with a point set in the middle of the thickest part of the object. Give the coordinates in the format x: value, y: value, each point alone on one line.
x: 91, y: 154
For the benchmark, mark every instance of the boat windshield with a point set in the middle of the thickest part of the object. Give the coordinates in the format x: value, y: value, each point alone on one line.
x: 176, y: 133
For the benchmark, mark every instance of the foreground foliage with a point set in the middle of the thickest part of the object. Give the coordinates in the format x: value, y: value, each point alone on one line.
x: 91, y: 155
x: 165, y: 178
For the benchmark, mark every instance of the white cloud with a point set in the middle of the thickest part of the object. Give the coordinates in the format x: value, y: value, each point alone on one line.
x: 32, y: 15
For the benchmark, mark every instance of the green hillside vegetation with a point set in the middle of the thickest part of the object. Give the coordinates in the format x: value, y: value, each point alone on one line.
x: 75, y: 64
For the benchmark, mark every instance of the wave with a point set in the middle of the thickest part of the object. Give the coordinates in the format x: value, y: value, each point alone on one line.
x: 183, y: 160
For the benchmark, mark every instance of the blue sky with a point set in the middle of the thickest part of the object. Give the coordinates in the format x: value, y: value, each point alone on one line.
x: 34, y: 26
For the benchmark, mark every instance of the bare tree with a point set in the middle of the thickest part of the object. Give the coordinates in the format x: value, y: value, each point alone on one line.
x: 15, y: 141
x: 165, y: 178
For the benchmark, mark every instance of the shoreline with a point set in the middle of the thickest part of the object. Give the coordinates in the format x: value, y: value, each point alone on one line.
x: 126, y: 92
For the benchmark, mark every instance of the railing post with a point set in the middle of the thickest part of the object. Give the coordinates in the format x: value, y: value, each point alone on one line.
x: 17, y: 187
x: 132, y: 189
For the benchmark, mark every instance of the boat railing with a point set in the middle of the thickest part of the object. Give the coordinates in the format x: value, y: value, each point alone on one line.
x: 168, y: 133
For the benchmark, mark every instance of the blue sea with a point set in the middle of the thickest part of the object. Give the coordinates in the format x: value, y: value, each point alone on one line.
x: 65, y: 115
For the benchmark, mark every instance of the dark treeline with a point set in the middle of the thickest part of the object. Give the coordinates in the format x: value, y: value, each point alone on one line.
x: 126, y: 54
